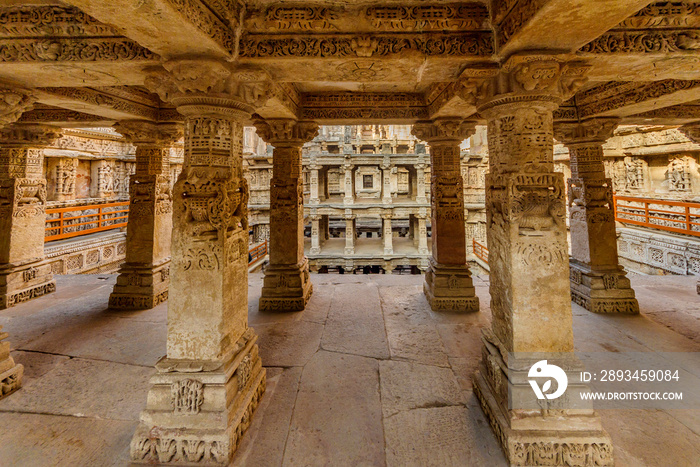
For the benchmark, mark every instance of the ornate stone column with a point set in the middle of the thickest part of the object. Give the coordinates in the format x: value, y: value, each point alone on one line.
x: 448, y: 282
x: 530, y: 297
x: 315, y: 231
x: 210, y: 382
x: 598, y: 282
x: 386, y: 180
x: 313, y: 185
x: 349, y: 233
x: 22, y: 198
x: 349, y: 192
x: 387, y: 234
x: 420, y: 184
x: 24, y: 273
x: 422, y: 235
x: 287, y: 285
x: 692, y: 131
x: 144, y: 278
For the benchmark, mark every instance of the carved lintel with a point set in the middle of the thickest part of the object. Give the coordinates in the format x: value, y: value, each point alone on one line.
x: 21, y: 134
x: 692, y: 131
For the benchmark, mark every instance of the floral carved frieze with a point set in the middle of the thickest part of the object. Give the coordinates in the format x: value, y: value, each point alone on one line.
x: 340, y: 46
x: 395, y: 18
x: 626, y: 42
x: 614, y: 98
x: 50, y: 21
x: 101, y: 99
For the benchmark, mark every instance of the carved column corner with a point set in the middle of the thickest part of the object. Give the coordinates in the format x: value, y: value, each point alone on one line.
x: 13, y: 103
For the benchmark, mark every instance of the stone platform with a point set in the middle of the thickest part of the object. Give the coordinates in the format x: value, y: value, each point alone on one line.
x: 367, y: 375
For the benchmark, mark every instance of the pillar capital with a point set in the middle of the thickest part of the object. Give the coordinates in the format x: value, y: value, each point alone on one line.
x: 28, y: 135
x: 285, y: 131
x: 443, y: 130
x: 593, y: 131
x: 13, y: 103
x: 198, y: 86
x: 144, y: 133
x: 692, y: 131
x: 526, y: 80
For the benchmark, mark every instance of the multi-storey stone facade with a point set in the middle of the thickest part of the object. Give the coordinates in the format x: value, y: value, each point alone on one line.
x: 360, y: 183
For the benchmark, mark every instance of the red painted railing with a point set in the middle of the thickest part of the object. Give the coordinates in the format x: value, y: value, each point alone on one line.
x: 74, y: 221
x: 672, y: 216
x: 480, y: 251
x: 258, y: 252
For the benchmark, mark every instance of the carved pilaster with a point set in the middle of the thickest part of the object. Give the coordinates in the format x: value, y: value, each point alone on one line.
x: 207, y: 387
x: 23, y: 272
x: 350, y: 234
x: 315, y: 234
x: 387, y: 234
x: 598, y: 282
x: 448, y: 283
x: 287, y: 285
x: 144, y: 278
x: 528, y: 258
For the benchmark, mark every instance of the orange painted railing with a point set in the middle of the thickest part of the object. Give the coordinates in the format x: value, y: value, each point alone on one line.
x: 257, y: 252
x: 83, y: 220
x: 480, y: 251
x: 672, y: 216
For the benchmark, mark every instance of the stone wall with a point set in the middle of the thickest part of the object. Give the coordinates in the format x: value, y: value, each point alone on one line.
x: 90, y: 255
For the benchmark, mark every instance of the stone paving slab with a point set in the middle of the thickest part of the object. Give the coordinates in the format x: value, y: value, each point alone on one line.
x: 85, y: 388
x: 338, y: 414
x: 51, y: 440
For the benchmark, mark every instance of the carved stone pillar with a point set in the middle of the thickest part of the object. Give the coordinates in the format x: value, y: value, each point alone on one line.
x: 420, y: 184
x: 422, y: 236
x: 315, y: 232
x: 144, y: 278
x: 448, y: 282
x: 24, y: 273
x: 210, y: 382
x: 22, y: 199
x: 349, y: 192
x: 387, y: 234
x: 530, y: 297
x: 287, y: 285
x: 349, y: 234
x: 386, y: 181
x: 692, y: 131
x: 598, y: 282
x: 313, y: 185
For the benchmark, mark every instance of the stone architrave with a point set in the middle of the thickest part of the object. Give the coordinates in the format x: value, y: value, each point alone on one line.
x: 24, y: 272
x: 598, y: 282
x: 144, y: 278
x: 207, y: 387
x: 286, y: 285
x: 448, y: 282
x: 692, y: 131
x: 529, y: 286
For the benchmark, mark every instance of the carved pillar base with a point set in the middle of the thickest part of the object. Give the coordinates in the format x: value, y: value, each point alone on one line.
x: 286, y: 288
x: 450, y: 288
x: 10, y: 372
x: 546, y: 436
x: 602, y: 291
x: 22, y: 283
x: 197, y: 411
x: 140, y: 287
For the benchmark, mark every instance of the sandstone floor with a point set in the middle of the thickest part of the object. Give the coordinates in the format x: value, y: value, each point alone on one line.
x: 367, y: 375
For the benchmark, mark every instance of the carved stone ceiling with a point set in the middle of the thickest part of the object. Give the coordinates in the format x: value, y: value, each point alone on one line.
x: 91, y: 56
